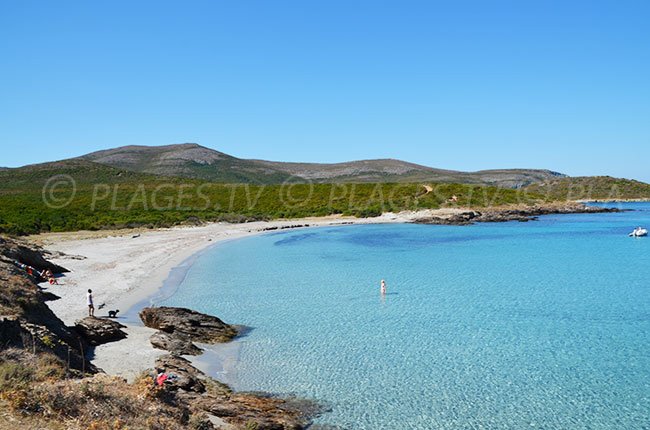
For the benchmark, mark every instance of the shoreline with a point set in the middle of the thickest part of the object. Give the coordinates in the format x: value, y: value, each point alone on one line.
x: 130, y: 269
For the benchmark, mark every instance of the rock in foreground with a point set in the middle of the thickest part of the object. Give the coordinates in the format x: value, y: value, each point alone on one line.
x: 98, y: 331
x: 242, y: 410
x: 189, y: 378
x: 188, y: 324
x: 175, y: 343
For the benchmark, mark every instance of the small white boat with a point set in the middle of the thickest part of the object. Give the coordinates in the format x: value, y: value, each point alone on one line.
x: 639, y: 232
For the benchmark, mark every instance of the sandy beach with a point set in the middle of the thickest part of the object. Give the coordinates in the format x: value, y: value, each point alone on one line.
x: 125, y: 267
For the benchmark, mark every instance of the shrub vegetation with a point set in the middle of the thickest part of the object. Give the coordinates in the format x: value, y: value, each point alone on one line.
x: 40, y: 199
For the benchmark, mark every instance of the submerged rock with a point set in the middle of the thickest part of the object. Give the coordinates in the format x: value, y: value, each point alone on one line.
x: 99, y: 330
x: 186, y: 323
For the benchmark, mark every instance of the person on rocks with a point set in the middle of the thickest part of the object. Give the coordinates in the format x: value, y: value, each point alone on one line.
x: 161, y: 378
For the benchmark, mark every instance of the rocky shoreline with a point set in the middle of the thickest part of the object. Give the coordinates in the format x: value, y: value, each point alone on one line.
x: 31, y: 333
x: 181, y: 327
x: 521, y: 214
x: 112, y: 267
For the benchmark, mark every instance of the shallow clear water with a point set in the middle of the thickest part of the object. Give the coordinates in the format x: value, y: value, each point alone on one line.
x: 540, y: 325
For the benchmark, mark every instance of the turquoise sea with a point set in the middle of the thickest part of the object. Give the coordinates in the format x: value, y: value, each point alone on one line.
x: 542, y: 325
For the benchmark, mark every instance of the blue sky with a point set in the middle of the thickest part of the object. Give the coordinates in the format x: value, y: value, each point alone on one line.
x: 465, y: 85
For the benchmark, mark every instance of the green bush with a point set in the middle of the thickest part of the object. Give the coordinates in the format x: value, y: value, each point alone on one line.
x: 15, y: 375
x: 107, y: 198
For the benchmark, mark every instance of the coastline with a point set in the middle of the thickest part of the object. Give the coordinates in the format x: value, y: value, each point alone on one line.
x: 129, y: 269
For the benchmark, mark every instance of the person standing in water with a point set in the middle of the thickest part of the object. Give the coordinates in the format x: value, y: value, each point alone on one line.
x: 91, y: 306
x: 382, y: 289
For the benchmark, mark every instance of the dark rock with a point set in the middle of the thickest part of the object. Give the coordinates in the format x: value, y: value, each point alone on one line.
x: 266, y: 411
x: 10, y: 332
x: 463, y: 218
x: 523, y: 214
x: 174, y: 343
x: 27, y: 323
x: 187, y: 378
x: 99, y: 330
x: 31, y: 255
x: 194, y: 325
x: 533, y: 212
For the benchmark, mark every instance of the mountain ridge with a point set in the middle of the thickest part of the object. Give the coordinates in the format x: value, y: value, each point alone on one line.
x: 195, y: 161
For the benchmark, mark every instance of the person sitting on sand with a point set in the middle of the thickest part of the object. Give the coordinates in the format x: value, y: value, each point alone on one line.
x: 382, y: 289
x: 91, y: 306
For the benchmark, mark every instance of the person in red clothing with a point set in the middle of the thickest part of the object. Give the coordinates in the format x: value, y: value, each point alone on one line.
x: 161, y: 378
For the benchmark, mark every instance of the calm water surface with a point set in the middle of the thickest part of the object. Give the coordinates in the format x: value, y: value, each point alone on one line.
x: 541, y: 325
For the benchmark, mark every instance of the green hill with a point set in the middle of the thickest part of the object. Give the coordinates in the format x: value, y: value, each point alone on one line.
x: 80, y: 194
x: 190, y: 160
x: 591, y: 188
x: 43, y: 198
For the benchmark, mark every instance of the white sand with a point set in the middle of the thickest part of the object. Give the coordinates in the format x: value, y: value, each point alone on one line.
x: 123, y: 270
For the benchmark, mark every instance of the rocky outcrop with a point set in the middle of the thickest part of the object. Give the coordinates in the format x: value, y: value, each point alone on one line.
x: 28, y: 327
x: 188, y: 324
x: 175, y: 343
x: 179, y: 327
x: 26, y: 322
x: 13, y: 250
x: 99, y: 330
x: 522, y: 214
x: 266, y: 412
x: 260, y: 411
x: 186, y: 376
x: 462, y: 218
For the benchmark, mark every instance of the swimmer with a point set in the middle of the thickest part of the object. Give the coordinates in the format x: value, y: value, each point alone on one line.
x: 382, y: 289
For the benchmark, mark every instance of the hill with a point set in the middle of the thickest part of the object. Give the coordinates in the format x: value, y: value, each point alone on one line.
x: 187, y: 160
x: 79, y: 194
x: 588, y: 188
x: 44, y: 198
x: 190, y: 160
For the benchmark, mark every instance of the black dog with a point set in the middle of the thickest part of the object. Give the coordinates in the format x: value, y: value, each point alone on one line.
x: 113, y: 314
